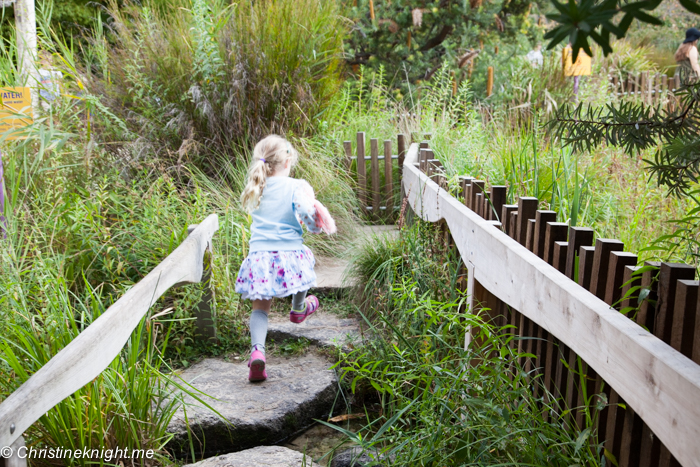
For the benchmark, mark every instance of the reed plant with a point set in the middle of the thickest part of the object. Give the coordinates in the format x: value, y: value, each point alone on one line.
x: 439, y: 404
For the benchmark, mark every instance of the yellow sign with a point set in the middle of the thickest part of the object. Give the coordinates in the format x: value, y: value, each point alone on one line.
x: 582, y: 67
x: 15, y: 109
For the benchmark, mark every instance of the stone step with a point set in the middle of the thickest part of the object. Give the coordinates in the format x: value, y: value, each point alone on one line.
x: 297, y: 391
x: 331, y: 272
x: 263, y: 456
x: 321, y: 328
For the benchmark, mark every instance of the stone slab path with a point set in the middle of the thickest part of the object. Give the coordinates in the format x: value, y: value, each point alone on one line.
x: 322, y: 329
x: 263, y: 456
x: 297, y: 391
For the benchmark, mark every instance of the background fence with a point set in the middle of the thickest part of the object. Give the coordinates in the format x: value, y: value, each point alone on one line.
x: 651, y: 88
x: 378, y: 193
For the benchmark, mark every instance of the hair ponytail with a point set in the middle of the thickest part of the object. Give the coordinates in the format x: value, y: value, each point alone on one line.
x: 257, y: 174
x: 269, y: 154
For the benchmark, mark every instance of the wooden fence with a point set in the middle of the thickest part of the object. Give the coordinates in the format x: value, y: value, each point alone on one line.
x: 380, y: 193
x: 561, y: 292
x: 96, y: 347
x: 652, y: 89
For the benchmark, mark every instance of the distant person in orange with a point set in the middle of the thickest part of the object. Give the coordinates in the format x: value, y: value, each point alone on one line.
x: 687, y: 57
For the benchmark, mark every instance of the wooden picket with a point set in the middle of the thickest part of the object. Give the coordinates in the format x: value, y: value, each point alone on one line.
x: 378, y: 200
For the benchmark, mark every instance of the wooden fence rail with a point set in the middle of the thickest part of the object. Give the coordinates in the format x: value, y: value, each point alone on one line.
x: 96, y: 347
x: 561, y: 292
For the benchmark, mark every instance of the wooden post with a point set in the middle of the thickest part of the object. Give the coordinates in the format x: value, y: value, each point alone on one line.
x: 477, y: 187
x: 371, y: 10
x: 630, y: 272
x: 585, y: 266
x: 616, y: 271
x: 601, y: 260
x: 489, y: 81
x: 454, y: 83
x: 15, y: 460
x: 376, y: 193
x: 361, y: 171
x: 529, y: 238
x: 647, y: 309
x: 686, y: 309
x: 669, y: 275
x: 498, y: 199
x: 657, y: 88
x: 408, y: 40
x: 541, y: 220
x: 401, y: 143
x: 478, y: 203
x: 2, y: 201
x: 347, y: 145
x: 205, y: 311
x: 513, y: 229
x: 388, y: 180
x: 559, y: 259
x: 427, y: 155
x: 506, y: 211
x: 554, y: 232
x: 527, y: 207
x: 578, y: 237
x: 465, y: 181
x: 25, y: 22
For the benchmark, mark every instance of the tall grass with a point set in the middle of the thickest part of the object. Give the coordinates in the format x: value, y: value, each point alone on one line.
x: 206, y: 78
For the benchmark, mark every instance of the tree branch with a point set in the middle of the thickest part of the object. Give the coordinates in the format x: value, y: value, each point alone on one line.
x: 437, y: 40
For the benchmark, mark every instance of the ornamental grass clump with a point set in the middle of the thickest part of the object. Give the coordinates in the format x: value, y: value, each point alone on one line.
x: 201, y: 78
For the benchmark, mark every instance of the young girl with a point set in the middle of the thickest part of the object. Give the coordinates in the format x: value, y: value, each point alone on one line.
x: 278, y: 263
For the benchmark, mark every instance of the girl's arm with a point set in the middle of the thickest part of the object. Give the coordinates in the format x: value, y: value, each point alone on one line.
x: 304, y: 209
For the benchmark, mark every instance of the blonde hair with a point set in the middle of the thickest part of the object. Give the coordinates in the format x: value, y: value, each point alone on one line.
x: 270, y: 155
x: 684, y: 50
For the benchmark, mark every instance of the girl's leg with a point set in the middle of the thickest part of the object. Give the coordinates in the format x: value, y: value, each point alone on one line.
x: 302, y: 306
x: 298, y: 303
x: 258, y: 324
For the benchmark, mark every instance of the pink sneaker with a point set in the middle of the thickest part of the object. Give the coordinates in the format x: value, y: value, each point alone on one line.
x: 257, y: 366
x: 311, y: 306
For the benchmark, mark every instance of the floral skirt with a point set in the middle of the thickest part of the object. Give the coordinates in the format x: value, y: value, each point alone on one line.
x: 269, y: 274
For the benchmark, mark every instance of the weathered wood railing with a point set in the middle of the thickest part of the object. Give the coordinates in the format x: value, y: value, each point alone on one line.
x: 562, y: 294
x: 96, y: 347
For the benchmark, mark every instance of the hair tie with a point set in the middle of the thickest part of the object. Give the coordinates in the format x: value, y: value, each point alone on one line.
x: 263, y: 160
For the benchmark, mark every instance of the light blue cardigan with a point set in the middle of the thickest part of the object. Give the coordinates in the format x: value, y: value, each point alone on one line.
x: 284, y: 207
